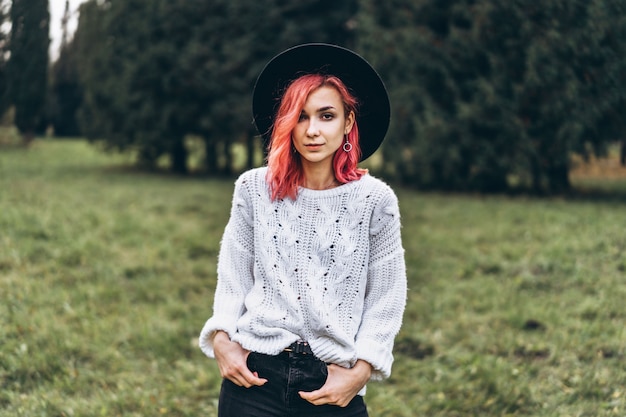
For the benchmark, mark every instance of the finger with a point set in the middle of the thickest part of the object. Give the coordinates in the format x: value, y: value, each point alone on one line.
x: 314, y: 397
x: 243, y: 377
x: 242, y: 381
x: 252, y: 379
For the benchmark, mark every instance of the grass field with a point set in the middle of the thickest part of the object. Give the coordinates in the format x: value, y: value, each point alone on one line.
x: 516, y: 305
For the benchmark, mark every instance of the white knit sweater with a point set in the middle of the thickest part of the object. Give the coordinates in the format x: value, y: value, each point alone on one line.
x: 327, y: 268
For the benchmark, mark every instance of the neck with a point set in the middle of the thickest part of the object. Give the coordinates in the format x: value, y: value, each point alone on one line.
x: 319, y: 178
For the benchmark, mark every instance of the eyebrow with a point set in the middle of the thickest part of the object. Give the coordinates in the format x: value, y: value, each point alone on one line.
x: 321, y: 109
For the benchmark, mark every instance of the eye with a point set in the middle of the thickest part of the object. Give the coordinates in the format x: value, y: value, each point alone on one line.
x: 302, y: 117
x: 327, y: 116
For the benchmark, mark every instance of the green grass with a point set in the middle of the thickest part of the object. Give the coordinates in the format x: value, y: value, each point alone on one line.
x: 516, y: 305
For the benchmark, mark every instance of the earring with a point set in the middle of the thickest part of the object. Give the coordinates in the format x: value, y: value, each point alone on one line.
x: 347, y: 146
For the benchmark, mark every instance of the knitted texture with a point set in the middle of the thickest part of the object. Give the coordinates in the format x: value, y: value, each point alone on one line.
x: 327, y: 268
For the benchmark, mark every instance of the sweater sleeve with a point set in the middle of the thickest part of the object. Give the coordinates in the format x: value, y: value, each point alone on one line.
x: 234, y: 270
x: 386, y: 289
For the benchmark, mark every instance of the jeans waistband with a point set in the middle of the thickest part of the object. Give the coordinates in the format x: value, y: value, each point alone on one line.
x: 299, y: 348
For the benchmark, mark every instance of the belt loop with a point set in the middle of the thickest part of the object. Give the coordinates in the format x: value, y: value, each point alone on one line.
x: 302, y: 347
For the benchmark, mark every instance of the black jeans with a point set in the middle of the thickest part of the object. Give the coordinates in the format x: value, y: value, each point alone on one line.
x: 286, y: 374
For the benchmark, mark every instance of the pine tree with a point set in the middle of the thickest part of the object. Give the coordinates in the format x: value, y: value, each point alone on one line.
x: 4, y: 49
x: 65, y: 89
x: 28, y: 64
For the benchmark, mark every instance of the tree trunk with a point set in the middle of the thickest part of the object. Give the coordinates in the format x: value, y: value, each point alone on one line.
x: 250, y: 149
x: 227, y: 155
x: 559, y: 177
x: 178, y: 156
x: 536, y: 175
x: 622, y: 154
x: 27, y: 138
x: 210, y: 156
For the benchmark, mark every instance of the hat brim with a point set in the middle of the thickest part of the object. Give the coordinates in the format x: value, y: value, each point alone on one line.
x: 357, y: 74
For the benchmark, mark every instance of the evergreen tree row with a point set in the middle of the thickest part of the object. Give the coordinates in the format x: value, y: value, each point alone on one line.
x: 486, y: 95
x: 491, y: 95
x: 156, y: 71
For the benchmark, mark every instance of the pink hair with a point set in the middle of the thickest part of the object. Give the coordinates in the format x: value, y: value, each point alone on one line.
x: 285, y: 170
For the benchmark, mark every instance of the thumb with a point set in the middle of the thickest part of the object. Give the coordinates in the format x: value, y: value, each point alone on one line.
x: 314, y: 397
x: 309, y: 396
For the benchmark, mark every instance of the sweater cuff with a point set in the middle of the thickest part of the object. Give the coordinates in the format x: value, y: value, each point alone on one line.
x: 376, y: 355
x: 207, y: 333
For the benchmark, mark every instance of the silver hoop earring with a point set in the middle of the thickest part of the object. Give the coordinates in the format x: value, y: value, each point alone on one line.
x: 347, y: 146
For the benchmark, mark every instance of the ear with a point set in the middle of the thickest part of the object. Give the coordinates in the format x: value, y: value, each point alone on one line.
x: 349, y: 122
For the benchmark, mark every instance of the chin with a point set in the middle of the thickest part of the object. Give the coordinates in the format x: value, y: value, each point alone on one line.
x: 316, y: 159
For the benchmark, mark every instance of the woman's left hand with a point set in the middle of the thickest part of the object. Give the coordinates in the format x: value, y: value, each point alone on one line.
x: 341, y: 386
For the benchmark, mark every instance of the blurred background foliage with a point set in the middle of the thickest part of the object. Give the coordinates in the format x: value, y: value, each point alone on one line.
x: 487, y: 96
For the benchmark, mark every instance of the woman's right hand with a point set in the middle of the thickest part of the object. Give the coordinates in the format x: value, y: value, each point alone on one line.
x: 231, y: 359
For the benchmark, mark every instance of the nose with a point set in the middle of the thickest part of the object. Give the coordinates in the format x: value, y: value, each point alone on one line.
x: 312, y: 129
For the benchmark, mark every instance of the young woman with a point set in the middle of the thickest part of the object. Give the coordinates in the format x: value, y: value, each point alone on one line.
x: 311, y: 275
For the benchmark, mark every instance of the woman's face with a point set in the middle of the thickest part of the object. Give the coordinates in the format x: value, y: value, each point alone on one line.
x: 322, y: 125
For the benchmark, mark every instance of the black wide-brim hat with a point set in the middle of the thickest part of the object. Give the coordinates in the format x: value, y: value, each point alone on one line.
x: 373, y: 112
